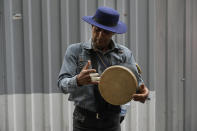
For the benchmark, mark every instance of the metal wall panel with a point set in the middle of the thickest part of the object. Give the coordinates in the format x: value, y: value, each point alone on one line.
x: 175, y: 65
x: 3, y: 108
x: 190, y: 108
x: 34, y: 36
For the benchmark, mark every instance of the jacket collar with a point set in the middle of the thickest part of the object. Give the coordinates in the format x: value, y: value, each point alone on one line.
x: 87, y: 45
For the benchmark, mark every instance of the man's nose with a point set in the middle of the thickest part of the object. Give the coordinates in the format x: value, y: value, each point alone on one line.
x: 101, y: 33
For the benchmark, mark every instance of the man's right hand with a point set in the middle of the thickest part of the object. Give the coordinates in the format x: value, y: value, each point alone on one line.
x: 83, y: 78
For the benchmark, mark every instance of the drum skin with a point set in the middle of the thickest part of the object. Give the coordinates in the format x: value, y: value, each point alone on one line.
x: 117, y: 85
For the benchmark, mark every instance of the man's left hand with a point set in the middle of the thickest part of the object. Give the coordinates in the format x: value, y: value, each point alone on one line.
x: 142, y: 94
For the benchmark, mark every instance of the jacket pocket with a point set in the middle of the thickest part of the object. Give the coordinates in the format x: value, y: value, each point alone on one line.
x: 82, y: 61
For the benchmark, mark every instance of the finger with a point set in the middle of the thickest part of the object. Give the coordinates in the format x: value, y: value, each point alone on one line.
x: 142, y: 86
x: 88, y: 71
x: 141, y: 99
x: 136, y: 99
x: 87, y: 65
x: 143, y: 90
x: 89, y: 80
x: 137, y: 95
x: 94, y: 74
x: 95, y: 79
x: 146, y: 90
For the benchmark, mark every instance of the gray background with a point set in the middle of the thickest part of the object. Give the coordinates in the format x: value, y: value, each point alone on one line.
x: 161, y: 33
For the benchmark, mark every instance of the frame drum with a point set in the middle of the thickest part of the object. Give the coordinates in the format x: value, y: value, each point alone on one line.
x: 117, y: 85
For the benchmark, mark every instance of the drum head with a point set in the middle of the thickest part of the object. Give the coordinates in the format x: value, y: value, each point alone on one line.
x: 117, y: 85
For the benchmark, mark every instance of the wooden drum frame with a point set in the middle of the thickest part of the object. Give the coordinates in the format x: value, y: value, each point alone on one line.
x: 117, y: 85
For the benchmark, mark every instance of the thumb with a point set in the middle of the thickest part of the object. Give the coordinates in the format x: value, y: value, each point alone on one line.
x: 142, y: 87
x: 87, y: 65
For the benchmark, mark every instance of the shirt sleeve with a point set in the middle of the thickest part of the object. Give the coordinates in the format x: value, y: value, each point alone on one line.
x: 67, y: 81
x: 124, y: 109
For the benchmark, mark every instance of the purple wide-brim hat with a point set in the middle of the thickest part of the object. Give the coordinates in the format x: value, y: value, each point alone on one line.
x: 107, y: 19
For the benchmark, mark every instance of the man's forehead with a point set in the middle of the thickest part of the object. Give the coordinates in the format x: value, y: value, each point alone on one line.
x: 100, y: 28
x: 97, y: 27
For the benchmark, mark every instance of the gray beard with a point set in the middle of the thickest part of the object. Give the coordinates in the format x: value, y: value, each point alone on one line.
x: 98, y: 48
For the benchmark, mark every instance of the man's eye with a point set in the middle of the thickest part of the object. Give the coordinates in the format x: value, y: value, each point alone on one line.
x: 98, y: 30
x: 106, y: 32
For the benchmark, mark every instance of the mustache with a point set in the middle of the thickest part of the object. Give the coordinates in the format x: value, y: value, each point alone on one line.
x: 102, y: 40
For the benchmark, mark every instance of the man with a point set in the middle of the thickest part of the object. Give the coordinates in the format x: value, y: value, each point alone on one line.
x: 92, y: 112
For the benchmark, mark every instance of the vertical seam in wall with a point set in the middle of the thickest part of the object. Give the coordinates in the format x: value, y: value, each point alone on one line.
x: 2, y: 42
x: 85, y: 24
x: 31, y: 63
x: 42, y: 64
x: 79, y: 21
x: 49, y: 44
x: 60, y: 52
x: 148, y: 60
x: 128, y: 25
x: 10, y: 28
x: 60, y: 32
x: 24, y: 83
x: 166, y: 66
x: 48, y: 7
x: 125, y: 20
x: 191, y: 43
x: 97, y: 3
x: 137, y: 107
x: 67, y: 22
x: 42, y: 46
x: 190, y: 37
x: 115, y: 4
x: 184, y: 65
x: 148, y: 45
x: 136, y: 30
x: 4, y: 62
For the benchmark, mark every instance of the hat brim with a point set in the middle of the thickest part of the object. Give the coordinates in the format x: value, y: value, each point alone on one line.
x: 120, y: 28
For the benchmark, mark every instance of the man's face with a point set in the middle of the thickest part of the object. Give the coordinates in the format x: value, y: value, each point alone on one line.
x: 101, y: 38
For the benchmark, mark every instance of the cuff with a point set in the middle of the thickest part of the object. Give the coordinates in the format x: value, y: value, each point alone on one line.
x: 68, y: 84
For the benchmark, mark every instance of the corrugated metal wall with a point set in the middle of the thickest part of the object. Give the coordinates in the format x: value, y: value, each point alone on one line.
x: 176, y: 65
x: 34, y: 35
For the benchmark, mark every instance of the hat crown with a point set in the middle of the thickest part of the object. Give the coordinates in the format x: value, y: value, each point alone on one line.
x: 106, y: 16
